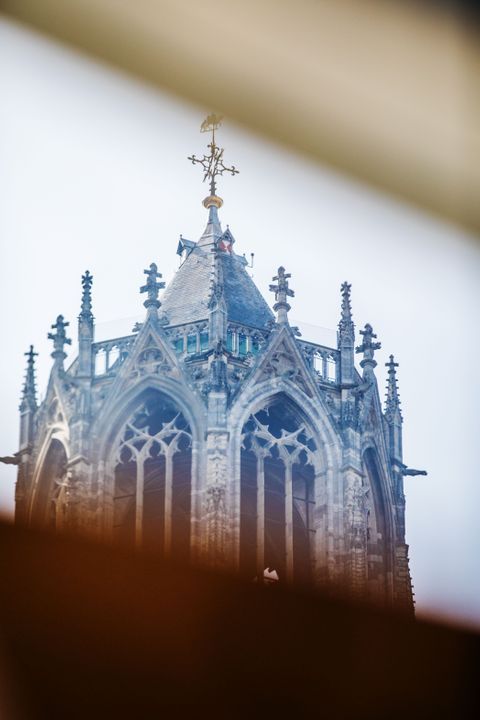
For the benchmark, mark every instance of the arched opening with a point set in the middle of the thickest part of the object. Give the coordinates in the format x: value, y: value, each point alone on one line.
x: 152, y: 491
x: 378, y: 540
x: 49, y: 499
x: 277, y: 483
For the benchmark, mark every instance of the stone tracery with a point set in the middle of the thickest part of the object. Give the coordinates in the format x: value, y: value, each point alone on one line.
x: 278, y: 462
x: 153, y: 477
x: 273, y: 497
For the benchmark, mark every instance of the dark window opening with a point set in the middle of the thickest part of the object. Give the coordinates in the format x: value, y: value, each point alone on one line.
x: 277, y: 449
x: 154, y: 458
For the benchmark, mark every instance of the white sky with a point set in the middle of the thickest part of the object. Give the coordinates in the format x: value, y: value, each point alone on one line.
x: 93, y: 174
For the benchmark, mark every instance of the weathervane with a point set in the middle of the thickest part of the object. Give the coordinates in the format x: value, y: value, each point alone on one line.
x: 212, y: 164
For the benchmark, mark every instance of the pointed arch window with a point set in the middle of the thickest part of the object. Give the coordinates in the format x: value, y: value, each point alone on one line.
x: 152, y: 493
x: 277, y: 494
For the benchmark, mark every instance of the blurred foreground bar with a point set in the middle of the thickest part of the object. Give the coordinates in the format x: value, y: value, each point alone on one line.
x: 91, y: 632
x: 386, y: 91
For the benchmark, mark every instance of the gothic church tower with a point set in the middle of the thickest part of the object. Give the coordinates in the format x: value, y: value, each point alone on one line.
x: 214, y: 433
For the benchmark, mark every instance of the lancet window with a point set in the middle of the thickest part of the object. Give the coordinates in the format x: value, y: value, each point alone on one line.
x: 277, y: 494
x: 152, y: 493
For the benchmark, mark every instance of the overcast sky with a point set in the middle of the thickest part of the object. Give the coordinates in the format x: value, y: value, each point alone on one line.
x: 93, y: 174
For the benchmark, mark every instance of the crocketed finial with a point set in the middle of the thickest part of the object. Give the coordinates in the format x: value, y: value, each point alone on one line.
x: 368, y: 347
x: 152, y: 288
x: 59, y: 340
x: 392, y: 402
x: 29, y: 393
x: 86, y: 310
x: 282, y: 291
x: 346, y: 328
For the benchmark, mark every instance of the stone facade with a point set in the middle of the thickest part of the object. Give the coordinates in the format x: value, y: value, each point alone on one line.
x: 215, y: 433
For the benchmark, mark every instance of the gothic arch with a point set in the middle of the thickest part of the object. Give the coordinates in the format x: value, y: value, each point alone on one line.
x: 115, y: 410
x: 380, y: 526
x: 48, y: 503
x: 150, y: 470
x: 314, y: 411
x: 283, y: 457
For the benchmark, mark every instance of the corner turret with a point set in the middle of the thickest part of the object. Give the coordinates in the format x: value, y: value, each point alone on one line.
x: 59, y: 341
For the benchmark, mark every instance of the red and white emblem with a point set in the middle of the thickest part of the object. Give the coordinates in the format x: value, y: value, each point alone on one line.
x: 225, y: 244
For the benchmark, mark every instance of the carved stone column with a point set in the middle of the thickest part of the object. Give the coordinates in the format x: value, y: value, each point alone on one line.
x: 355, y: 534
x: 79, y: 512
x: 215, y: 512
x: 215, y: 492
x: 402, y: 590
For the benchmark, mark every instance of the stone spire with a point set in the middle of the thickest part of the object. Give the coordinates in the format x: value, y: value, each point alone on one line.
x: 28, y: 404
x: 213, y: 230
x: 346, y: 338
x: 29, y: 394
x: 152, y: 288
x: 86, y: 328
x: 59, y: 341
x: 392, y: 402
x: 393, y: 413
x: 282, y: 291
x: 346, y: 328
x: 86, y: 311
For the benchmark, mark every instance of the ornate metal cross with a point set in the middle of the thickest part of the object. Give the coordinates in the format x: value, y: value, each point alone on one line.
x: 212, y: 164
x: 152, y: 287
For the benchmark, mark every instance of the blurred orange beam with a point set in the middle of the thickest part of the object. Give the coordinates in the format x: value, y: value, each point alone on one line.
x: 387, y: 92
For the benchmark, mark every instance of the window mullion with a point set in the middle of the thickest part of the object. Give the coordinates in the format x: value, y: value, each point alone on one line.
x: 168, y: 500
x: 289, y: 520
x: 260, y: 516
x: 139, y: 500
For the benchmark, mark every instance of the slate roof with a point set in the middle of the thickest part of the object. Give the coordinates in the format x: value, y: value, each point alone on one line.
x: 186, y: 298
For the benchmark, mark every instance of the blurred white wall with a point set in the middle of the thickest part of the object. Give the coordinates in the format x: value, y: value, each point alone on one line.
x: 93, y: 174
